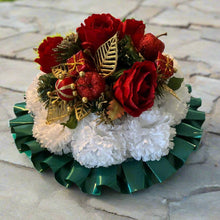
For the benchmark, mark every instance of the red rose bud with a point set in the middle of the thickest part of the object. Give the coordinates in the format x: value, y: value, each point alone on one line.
x: 135, y: 88
x: 64, y: 88
x: 91, y: 85
x: 97, y: 30
x: 133, y: 28
x: 78, y: 63
x: 47, y: 58
x: 149, y: 47
x: 164, y: 66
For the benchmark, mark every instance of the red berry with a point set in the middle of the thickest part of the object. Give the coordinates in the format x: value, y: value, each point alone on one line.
x: 64, y: 89
x: 149, y: 47
x: 91, y: 85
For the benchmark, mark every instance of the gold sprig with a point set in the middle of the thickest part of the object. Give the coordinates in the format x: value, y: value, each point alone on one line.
x: 168, y: 89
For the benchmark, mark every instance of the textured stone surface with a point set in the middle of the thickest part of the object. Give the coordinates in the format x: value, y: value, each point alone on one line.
x: 131, y: 206
x: 161, y: 3
x: 193, y: 28
x: 214, y: 122
x: 200, y: 50
x: 115, y: 7
x: 9, y: 47
x: 208, y: 89
x: 25, y: 194
x: 16, y: 74
x: 7, y: 32
x: 212, y: 7
x: 175, y: 37
x: 204, y: 206
x: 192, y: 68
x: 145, y: 13
x: 185, y: 15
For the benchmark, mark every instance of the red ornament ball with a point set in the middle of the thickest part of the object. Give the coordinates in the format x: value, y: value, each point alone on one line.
x: 91, y: 85
x: 149, y: 47
x: 64, y: 88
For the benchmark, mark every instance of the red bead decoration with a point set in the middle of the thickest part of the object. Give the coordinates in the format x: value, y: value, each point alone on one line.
x: 90, y: 86
x: 64, y: 88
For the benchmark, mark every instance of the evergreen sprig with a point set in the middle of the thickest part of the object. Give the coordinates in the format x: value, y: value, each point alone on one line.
x: 69, y: 46
x: 127, y: 54
x: 46, y: 84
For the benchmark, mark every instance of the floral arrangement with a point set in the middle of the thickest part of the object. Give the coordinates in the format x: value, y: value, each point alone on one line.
x: 109, y: 102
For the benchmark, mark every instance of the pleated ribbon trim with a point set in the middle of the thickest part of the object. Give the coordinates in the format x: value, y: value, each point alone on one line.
x: 128, y: 177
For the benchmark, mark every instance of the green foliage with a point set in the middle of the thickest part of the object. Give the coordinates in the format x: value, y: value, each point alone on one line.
x: 72, y: 122
x: 175, y: 83
x: 46, y: 84
x: 127, y: 54
x: 116, y: 75
x: 69, y: 46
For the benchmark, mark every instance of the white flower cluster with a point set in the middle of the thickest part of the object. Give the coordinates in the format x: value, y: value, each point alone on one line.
x: 148, y: 137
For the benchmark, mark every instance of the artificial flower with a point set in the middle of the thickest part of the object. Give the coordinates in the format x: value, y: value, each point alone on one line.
x: 135, y: 88
x: 47, y: 57
x: 98, y: 28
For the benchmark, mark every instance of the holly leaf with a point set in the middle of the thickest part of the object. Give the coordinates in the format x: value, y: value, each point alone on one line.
x: 175, y: 83
x: 72, y: 122
x: 115, y: 110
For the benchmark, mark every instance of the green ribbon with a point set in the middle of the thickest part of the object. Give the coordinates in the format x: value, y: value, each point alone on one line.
x: 128, y: 177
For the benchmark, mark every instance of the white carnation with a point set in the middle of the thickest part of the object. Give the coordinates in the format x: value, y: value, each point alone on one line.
x: 148, y: 137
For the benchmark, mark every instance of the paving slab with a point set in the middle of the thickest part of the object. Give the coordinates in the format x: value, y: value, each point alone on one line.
x: 10, y: 46
x: 115, y: 7
x: 184, y: 15
x: 214, y: 122
x: 6, y: 32
x: 200, y: 50
x: 48, y: 21
x: 203, y: 207
x: 202, y: 5
x: 19, y: 73
x: 206, y: 88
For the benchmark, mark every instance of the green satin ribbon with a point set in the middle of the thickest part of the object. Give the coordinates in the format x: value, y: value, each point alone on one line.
x: 128, y: 177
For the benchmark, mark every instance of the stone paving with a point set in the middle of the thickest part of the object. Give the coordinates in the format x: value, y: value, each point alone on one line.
x: 193, y: 28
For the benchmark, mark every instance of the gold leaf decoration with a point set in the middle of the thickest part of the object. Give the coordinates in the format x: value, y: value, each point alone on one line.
x: 168, y: 89
x: 81, y: 110
x: 57, y: 110
x: 60, y: 71
x: 106, y: 57
x: 115, y: 110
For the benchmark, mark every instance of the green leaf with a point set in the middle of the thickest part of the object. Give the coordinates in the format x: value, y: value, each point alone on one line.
x: 117, y: 74
x: 72, y: 122
x: 124, y: 19
x: 175, y: 83
x: 127, y: 54
x: 46, y: 83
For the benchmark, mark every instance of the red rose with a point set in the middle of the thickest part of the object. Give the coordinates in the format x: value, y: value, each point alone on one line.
x: 47, y: 58
x: 97, y: 30
x: 135, y: 89
x: 135, y: 29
